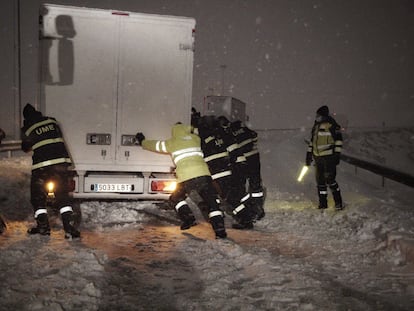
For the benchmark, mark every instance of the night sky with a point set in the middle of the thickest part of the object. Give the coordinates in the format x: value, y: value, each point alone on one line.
x: 283, y: 58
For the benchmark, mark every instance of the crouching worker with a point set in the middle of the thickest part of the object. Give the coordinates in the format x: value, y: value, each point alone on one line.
x: 43, y: 136
x: 192, y: 175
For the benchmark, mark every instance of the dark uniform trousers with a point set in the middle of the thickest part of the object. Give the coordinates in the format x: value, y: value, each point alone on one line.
x: 59, y: 174
x: 326, y: 177
x: 255, y: 183
x: 211, y: 211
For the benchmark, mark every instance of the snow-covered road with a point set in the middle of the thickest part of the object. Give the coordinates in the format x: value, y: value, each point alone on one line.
x: 133, y: 256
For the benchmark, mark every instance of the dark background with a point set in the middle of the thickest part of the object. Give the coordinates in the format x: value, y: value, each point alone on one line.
x: 284, y: 58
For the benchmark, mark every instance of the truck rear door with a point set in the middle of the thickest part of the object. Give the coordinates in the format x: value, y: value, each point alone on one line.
x: 155, y: 72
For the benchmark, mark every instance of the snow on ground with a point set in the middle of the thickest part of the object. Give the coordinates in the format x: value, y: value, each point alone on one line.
x: 132, y: 255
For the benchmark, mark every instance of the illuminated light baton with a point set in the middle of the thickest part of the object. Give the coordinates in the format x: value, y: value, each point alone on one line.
x: 303, y: 172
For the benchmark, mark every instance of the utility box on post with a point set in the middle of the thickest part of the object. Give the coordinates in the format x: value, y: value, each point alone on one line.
x: 228, y: 106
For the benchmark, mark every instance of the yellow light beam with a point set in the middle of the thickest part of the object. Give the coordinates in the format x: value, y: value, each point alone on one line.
x: 303, y: 172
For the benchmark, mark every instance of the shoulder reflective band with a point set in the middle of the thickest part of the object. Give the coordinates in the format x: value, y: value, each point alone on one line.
x: 30, y: 129
x: 303, y: 172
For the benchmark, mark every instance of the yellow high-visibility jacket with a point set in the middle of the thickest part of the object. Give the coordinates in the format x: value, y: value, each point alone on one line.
x: 185, y: 150
x: 326, y: 138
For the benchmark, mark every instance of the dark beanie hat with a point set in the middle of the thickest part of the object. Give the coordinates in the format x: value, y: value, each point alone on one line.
x: 29, y: 112
x: 223, y: 121
x: 323, y: 111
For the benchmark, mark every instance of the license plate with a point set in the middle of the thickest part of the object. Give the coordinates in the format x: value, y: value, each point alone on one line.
x: 112, y: 188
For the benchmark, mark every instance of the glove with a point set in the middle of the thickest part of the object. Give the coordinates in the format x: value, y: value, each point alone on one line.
x: 337, y: 158
x: 308, y: 158
x: 139, y: 138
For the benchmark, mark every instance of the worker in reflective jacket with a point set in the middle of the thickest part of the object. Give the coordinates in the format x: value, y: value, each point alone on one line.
x: 42, y: 136
x: 214, y: 144
x: 192, y: 175
x: 325, y: 148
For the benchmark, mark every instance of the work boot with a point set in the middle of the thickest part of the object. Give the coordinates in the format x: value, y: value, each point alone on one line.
x: 323, y: 196
x: 42, y: 227
x: 242, y: 226
x: 70, y: 231
x: 260, y: 213
x: 188, y: 223
x: 217, y: 222
x: 338, y: 199
x: 339, y: 206
x: 186, y: 215
x: 72, y: 234
x: 257, y: 198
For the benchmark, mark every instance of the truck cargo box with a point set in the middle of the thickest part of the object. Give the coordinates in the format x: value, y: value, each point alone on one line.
x: 105, y: 75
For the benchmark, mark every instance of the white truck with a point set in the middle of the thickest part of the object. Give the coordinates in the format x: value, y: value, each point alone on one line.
x: 230, y: 107
x: 106, y: 75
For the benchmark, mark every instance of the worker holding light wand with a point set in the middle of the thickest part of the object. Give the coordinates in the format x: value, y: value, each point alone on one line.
x: 325, y: 148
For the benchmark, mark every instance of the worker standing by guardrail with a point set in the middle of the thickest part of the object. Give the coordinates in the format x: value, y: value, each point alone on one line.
x: 325, y: 148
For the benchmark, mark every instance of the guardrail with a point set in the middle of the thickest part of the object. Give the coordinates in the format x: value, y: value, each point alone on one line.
x: 384, y: 172
x: 9, y: 146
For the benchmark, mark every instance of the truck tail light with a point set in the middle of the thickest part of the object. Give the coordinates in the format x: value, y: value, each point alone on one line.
x: 163, y: 185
